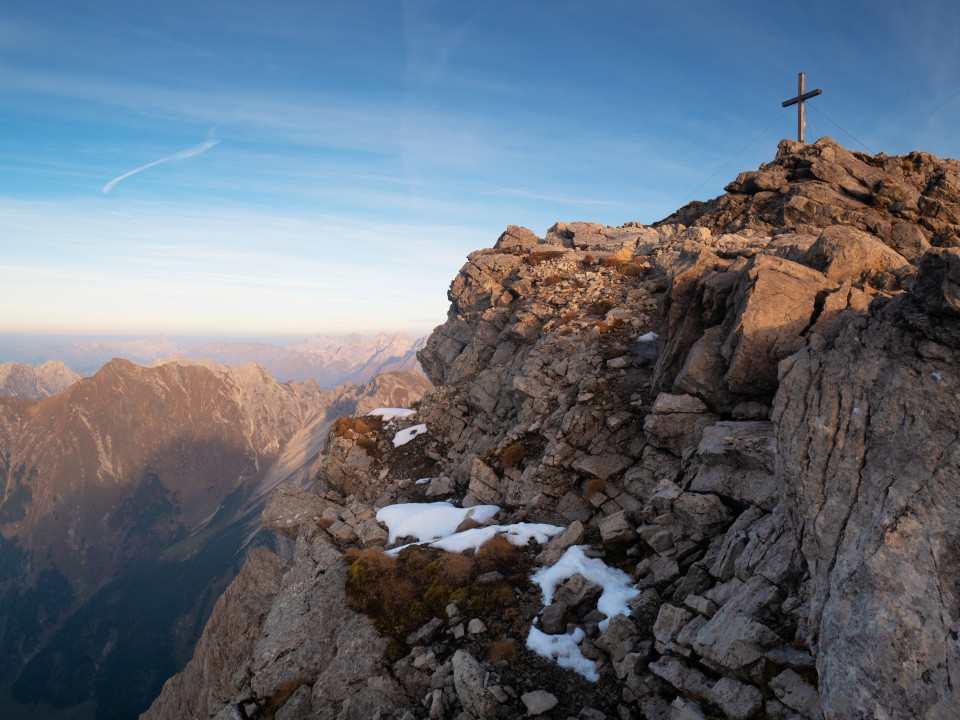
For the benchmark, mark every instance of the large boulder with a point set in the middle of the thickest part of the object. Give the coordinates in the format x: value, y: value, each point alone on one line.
x: 847, y: 254
x: 773, y: 304
x: 288, y: 507
x: 468, y: 679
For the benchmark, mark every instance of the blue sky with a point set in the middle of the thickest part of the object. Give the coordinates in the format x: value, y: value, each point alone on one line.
x: 325, y: 167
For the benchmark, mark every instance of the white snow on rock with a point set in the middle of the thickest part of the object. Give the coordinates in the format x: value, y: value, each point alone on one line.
x: 518, y: 534
x: 429, y: 521
x: 437, y: 522
x: 648, y: 337
x: 408, y: 434
x: 617, y: 586
x: 389, y: 414
x: 565, y: 650
x: 617, y: 592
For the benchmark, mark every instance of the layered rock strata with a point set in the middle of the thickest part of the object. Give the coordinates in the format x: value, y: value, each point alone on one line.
x: 750, y: 406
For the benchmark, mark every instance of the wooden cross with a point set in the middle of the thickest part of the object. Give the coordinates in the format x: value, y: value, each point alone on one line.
x: 798, y: 101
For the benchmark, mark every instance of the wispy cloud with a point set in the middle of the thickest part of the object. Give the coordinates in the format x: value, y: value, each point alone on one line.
x: 182, y: 155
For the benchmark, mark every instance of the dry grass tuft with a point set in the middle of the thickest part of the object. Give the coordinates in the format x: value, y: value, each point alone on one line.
x: 498, y: 554
x: 353, y: 426
x: 635, y: 268
x: 418, y: 559
x: 503, y: 649
x: 377, y: 586
x: 512, y: 455
x: 612, y: 261
x: 602, y: 307
x: 457, y: 569
x: 538, y: 256
x: 360, y: 430
x: 401, y: 593
x: 589, y: 259
x: 467, y: 524
x: 370, y: 564
x: 370, y: 446
x: 594, y: 486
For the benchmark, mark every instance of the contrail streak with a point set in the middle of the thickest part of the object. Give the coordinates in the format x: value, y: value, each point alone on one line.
x: 189, y: 152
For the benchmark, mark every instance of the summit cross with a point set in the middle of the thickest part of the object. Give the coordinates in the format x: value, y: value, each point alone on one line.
x: 798, y: 101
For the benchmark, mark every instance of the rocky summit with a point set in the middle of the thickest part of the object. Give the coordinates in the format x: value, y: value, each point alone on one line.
x: 708, y: 469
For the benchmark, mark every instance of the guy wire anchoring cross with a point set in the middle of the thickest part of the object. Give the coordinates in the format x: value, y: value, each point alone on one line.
x: 798, y: 101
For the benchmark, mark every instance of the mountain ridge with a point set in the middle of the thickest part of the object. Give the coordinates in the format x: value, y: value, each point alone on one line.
x: 127, y: 471
x: 747, y: 406
x: 329, y: 360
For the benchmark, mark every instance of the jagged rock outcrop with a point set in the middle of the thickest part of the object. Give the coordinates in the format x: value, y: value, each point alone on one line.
x: 749, y: 406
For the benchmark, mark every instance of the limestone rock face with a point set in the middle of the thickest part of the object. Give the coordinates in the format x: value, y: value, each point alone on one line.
x: 288, y: 507
x: 868, y: 454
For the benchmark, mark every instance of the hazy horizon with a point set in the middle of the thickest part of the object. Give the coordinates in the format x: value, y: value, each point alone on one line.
x: 87, y: 353
x: 7, y: 339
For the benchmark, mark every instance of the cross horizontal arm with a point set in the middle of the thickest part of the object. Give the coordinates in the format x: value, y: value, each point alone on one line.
x: 801, y: 98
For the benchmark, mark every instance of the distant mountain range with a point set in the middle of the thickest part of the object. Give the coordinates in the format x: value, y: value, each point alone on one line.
x: 127, y: 502
x: 328, y: 360
x: 20, y: 380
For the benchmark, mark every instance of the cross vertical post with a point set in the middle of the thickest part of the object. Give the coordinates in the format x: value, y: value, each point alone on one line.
x: 799, y: 100
x: 801, y: 108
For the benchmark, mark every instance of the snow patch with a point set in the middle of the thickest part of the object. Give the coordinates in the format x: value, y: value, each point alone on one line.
x: 388, y: 414
x: 617, y: 586
x: 518, y: 534
x: 430, y: 521
x: 648, y: 337
x: 565, y: 650
x: 437, y: 522
x: 408, y: 434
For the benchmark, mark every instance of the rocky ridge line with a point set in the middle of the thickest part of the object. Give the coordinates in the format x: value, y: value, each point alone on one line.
x: 777, y: 469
